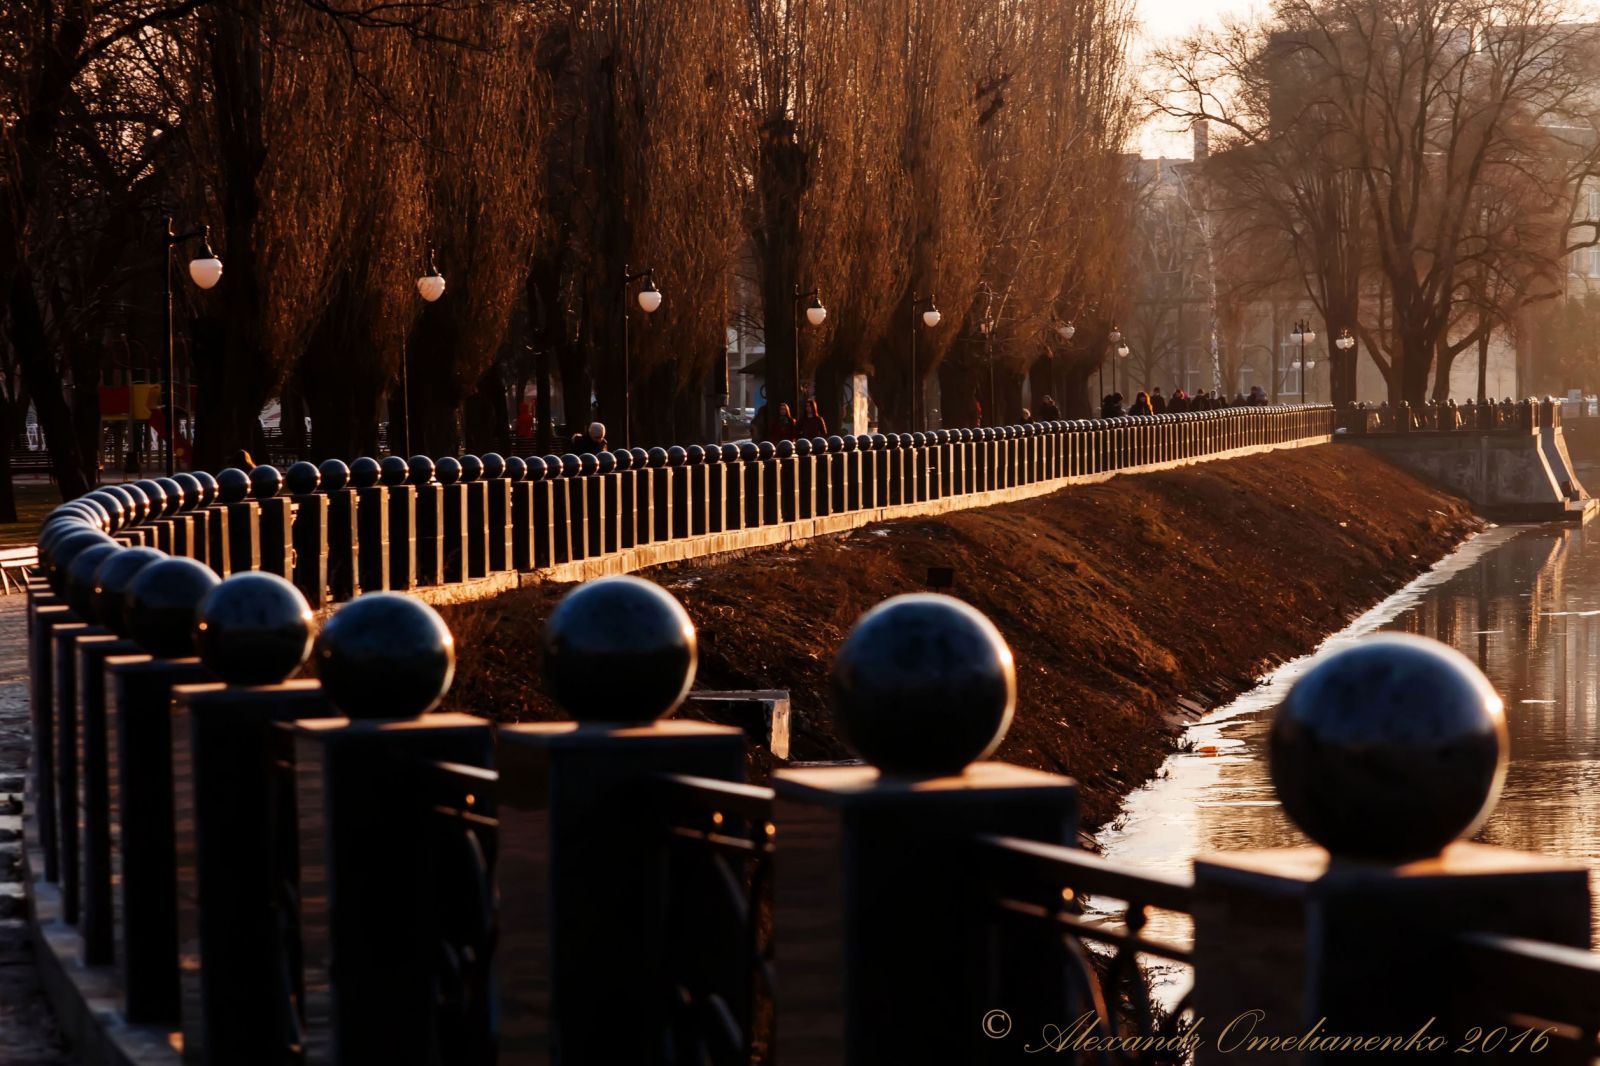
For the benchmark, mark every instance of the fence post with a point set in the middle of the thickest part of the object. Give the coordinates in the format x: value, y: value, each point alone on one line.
x: 696, y: 488
x: 882, y: 932
x: 644, y: 496
x: 930, y: 457
x: 453, y: 525
x: 499, y: 477
x: 163, y: 602
x: 277, y: 521
x: 838, y: 478
x: 608, y: 487
x: 366, y: 511
x: 661, y: 479
x: 477, y: 531
x: 344, y: 529
x: 783, y: 477
x: 182, y: 495
x: 234, y: 818
x: 591, y: 492
x: 582, y: 843
x: 805, y: 479
x: 156, y: 516
x: 429, y: 508
x: 1387, y: 754
x: 389, y: 977
x: 400, y: 561
x: 243, y: 524
x: 894, y: 461
x: 309, y: 533
x: 629, y: 500
x: 561, y: 523
x: 519, y: 514
x: 678, y: 476
x: 882, y: 457
x: 867, y: 454
x: 716, y: 500
x: 109, y: 587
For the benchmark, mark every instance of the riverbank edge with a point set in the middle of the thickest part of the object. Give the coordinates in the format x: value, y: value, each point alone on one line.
x: 1132, y: 607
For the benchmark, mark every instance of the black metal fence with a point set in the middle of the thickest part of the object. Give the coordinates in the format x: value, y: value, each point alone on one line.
x: 337, y: 530
x: 1450, y: 417
x: 321, y: 871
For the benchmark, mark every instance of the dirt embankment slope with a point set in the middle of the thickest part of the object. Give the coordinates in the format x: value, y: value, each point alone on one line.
x: 1118, y: 600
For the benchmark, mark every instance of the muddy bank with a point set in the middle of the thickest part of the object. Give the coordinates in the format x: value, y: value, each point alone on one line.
x: 1128, y: 605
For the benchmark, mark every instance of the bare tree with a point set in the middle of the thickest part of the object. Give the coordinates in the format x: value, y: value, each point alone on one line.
x: 1389, y: 122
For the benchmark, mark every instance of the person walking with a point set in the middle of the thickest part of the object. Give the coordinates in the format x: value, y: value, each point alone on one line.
x: 1158, y: 402
x: 812, y: 423
x: 782, y: 426
x: 1048, y: 411
x: 1141, y: 405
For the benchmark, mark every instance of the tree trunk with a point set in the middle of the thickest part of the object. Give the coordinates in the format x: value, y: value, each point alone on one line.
x: 1483, y: 367
x: 782, y: 176
x: 43, y: 378
x: 541, y: 399
x: 830, y: 395
x: 8, y: 492
x: 484, y: 418
x: 576, y: 389
x: 238, y: 374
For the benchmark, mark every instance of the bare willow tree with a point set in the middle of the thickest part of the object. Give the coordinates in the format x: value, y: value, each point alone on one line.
x: 642, y: 177
x: 480, y: 108
x: 354, y: 351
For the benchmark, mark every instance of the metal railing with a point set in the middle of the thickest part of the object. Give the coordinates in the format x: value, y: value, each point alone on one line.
x: 352, y: 879
x: 338, y: 529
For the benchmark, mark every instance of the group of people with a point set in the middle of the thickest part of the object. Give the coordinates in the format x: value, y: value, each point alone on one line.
x: 776, y: 422
x: 1447, y: 415
x: 1154, y: 403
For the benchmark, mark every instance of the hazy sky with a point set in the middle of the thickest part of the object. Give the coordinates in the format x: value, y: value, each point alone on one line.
x: 1174, y: 18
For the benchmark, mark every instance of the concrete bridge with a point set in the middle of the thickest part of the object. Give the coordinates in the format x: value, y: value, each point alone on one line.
x: 1511, y: 462
x: 227, y: 866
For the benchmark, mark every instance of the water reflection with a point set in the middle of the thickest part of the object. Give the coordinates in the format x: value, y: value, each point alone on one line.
x: 1522, y: 602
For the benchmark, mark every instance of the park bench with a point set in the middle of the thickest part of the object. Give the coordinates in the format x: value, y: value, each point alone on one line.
x: 14, y: 564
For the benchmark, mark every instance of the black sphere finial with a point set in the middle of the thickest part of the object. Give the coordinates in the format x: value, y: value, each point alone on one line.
x: 233, y: 485
x: 924, y: 685
x: 302, y: 478
x: 80, y: 577
x: 334, y: 474
x: 619, y: 649
x: 393, y: 471
x: 1389, y: 749
x: 385, y: 655
x: 163, y: 604
x: 254, y: 629
x: 266, y: 482
x: 111, y: 580
x: 364, y: 472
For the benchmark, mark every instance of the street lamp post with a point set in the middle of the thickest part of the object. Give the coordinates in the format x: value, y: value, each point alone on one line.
x: 649, y: 298
x: 1115, y: 337
x: 1303, y: 335
x: 1064, y: 330
x: 930, y: 318
x: 1344, y: 342
x: 816, y: 314
x: 430, y: 287
x: 205, y: 270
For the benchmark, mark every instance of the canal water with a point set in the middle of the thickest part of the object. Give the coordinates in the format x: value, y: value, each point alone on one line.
x: 1523, y: 602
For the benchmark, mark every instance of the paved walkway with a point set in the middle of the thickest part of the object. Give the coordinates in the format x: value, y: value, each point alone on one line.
x: 27, y: 1029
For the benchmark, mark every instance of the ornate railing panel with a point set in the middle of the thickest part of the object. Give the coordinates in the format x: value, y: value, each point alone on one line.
x: 1038, y: 892
x: 718, y: 899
